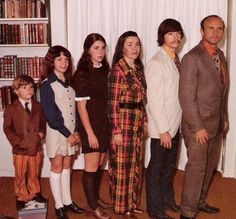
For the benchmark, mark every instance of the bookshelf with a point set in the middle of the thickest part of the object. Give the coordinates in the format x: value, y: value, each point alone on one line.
x: 24, y: 40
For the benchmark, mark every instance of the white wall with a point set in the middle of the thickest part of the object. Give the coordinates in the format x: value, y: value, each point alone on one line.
x: 230, y: 148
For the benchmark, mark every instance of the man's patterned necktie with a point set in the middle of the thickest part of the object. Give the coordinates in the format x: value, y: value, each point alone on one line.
x: 216, y: 59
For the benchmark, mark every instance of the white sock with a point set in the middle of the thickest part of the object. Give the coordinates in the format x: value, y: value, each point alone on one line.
x: 55, y: 183
x: 65, y: 187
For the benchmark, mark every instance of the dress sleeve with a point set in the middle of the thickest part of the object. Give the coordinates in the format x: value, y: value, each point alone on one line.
x: 82, y: 86
x: 51, y: 111
x: 114, y: 92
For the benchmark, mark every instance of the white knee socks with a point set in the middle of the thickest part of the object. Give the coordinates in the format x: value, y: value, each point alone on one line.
x: 55, y: 183
x: 65, y: 187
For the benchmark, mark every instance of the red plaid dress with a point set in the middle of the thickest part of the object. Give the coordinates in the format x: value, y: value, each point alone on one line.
x: 126, y: 85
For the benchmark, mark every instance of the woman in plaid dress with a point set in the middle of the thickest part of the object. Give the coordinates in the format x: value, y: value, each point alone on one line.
x: 126, y: 99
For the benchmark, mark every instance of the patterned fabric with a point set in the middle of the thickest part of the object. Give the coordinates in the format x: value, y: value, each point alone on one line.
x: 126, y: 85
x: 217, y: 62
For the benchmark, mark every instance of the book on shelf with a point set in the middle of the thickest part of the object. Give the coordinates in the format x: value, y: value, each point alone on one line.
x: 7, y: 96
x: 23, y: 8
x: 24, y: 33
x: 11, y: 66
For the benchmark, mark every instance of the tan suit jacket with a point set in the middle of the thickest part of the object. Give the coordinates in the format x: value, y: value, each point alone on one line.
x: 163, y: 108
x: 22, y: 130
x: 202, y: 95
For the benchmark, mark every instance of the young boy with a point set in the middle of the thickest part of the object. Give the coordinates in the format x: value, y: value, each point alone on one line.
x: 24, y: 126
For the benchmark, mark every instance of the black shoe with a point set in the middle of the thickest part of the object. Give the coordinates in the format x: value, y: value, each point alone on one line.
x: 75, y: 208
x: 20, y: 205
x: 208, y: 209
x: 60, y: 213
x: 163, y: 216
x: 5, y: 217
x: 39, y: 198
x: 174, y: 207
x: 183, y: 217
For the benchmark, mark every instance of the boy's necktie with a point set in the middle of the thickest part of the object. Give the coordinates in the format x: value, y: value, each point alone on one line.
x: 27, y: 108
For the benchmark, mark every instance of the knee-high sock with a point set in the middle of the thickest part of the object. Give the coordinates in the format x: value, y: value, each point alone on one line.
x: 89, y: 184
x: 55, y: 184
x: 99, y: 174
x: 65, y: 186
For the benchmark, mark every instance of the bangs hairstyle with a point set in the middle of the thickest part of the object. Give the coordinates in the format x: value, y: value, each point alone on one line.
x: 85, y: 63
x: 22, y: 80
x: 166, y: 26
x: 48, y: 65
x: 120, y: 46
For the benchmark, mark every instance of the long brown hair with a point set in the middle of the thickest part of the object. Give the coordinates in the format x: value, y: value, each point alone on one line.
x: 85, y: 63
x: 48, y: 65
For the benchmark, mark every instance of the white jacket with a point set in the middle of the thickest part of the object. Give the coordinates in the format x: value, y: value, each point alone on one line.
x: 163, y: 107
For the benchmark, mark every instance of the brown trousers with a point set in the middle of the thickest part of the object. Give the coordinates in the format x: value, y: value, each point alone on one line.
x: 27, y: 170
x: 202, y: 161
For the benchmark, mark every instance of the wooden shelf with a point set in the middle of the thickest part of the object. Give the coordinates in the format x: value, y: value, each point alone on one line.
x: 11, y: 79
x: 7, y: 20
x: 23, y: 45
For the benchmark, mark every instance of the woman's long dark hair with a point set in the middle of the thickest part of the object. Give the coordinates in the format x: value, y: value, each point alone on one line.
x: 48, y: 65
x: 120, y: 46
x: 85, y: 63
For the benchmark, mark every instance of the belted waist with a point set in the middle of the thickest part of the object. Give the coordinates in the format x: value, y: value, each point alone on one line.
x: 133, y: 105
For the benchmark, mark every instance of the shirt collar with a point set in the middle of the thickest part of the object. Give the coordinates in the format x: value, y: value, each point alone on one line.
x: 171, y: 54
x: 23, y: 102
x: 98, y: 66
x: 209, y: 48
x: 53, y: 78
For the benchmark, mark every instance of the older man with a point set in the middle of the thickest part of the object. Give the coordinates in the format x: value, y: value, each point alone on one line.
x: 202, y: 93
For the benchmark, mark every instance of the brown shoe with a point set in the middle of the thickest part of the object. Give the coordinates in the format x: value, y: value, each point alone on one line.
x: 104, y: 205
x: 98, y: 213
